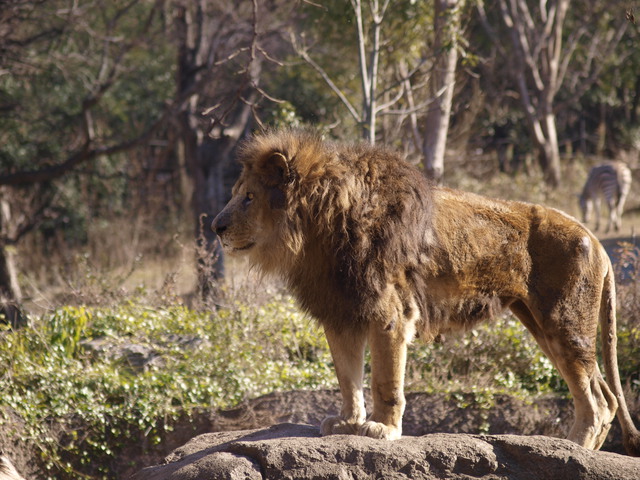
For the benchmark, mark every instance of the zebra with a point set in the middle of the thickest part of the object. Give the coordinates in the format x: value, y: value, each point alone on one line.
x: 7, y: 470
x: 611, y: 180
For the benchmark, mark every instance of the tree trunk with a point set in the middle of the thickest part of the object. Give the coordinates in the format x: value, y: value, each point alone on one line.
x: 191, y: 35
x: 10, y: 292
x: 369, y: 67
x: 10, y: 295
x: 550, y: 152
x: 545, y: 138
x: 204, y: 204
x: 442, y: 85
x: 205, y: 157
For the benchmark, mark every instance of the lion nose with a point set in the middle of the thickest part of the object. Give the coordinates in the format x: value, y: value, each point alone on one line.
x: 220, y: 223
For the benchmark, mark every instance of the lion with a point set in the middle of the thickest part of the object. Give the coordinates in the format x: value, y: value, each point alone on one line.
x: 379, y: 256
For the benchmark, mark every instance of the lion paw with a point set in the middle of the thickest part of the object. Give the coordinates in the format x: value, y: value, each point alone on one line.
x: 338, y: 426
x: 379, y: 430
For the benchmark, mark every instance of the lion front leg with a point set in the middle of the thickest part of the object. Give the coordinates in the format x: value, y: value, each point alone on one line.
x: 347, y: 349
x: 388, y: 345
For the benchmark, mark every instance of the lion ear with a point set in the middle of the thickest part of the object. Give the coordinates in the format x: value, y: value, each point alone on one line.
x: 276, y: 170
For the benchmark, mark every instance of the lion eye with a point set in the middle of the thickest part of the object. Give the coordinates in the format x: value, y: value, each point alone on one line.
x: 248, y: 198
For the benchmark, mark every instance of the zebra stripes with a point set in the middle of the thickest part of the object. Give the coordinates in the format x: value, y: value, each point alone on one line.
x: 611, y: 181
x: 7, y: 470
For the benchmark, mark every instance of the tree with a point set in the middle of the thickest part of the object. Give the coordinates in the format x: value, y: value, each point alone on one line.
x: 370, y: 44
x: 537, y: 44
x: 62, y: 70
x: 604, y: 81
x: 442, y: 83
x: 369, y: 64
x: 81, y: 85
x: 539, y: 60
x: 407, y: 54
x: 221, y: 50
x: 203, y: 30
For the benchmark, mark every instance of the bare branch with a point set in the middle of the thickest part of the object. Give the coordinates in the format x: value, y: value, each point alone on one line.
x: 393, y: 101
x: 334, y: 88
x: 413, y: 118
x: 266, y: 95
x: 362, y: 57
x: 489, y: 29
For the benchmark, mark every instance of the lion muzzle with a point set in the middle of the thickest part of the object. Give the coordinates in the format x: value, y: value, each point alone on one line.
x: 221, y: 223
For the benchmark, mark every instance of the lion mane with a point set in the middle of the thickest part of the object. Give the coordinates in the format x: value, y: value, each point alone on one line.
x: 378, y: 256
x: 345, y: 222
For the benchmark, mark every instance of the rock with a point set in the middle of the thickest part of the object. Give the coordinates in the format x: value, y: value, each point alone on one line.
x: 133, y: 355
x: 139, y: 357
x: 297, y: 451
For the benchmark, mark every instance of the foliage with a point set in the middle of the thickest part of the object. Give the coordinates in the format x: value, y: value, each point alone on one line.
x: 82, y: 405
x: 112, y: 66
x: 102, y: 55
x: 628, y: 289
x: 74, y: 77
x: 500, y: 357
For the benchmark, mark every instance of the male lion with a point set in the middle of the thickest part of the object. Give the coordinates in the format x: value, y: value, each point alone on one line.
x: 378, y: 255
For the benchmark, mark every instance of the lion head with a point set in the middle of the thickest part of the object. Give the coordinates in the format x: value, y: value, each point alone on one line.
x: 260, y: 220
x: 325, y: 217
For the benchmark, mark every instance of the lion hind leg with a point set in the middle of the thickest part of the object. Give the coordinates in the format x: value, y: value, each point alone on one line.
x: 608, y: 409
x: 347, y: 350
x: 595, y: 405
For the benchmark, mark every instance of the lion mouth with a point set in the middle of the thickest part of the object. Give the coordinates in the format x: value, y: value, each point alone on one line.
x: 231, y: 249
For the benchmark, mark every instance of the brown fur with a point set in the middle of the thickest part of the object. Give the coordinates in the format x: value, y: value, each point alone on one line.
x: 378, y: 255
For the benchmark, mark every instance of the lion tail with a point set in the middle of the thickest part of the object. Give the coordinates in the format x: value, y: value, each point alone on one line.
x: 630, y: 434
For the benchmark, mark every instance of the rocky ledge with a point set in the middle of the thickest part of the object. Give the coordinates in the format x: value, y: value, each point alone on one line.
x: 294, y: 451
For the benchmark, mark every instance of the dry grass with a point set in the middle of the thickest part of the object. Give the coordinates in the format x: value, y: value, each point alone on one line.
x: 135, y: 256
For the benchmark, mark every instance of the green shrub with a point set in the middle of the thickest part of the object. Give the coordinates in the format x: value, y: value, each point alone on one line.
x: 80, y: 406
x: 628, y: 296
x: 500, y: 357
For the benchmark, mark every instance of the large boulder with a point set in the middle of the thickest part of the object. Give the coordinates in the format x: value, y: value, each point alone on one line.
x: 294, y: 451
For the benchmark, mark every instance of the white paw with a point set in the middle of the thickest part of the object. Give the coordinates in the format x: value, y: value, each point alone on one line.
x: 379, y: 430
x: 338, y: 426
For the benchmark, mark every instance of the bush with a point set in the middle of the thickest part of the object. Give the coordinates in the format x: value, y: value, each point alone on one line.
x: 496, y: 357
x: 628, y: 295
x: 81, y: 403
